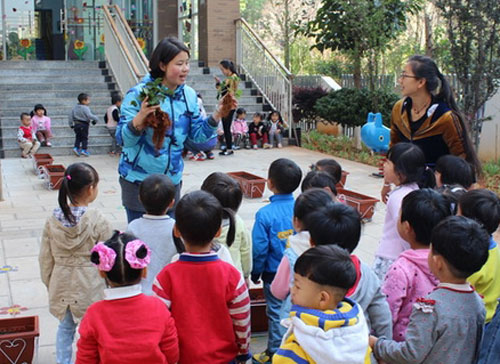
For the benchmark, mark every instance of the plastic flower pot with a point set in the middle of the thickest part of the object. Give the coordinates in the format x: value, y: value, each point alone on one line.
x: 363, y: 203
x: 18, y: 340
x: 258, y: 306
x: 39, y: 160
x: 54, y: 174
x: 343, y: 178
x: 251, y: 185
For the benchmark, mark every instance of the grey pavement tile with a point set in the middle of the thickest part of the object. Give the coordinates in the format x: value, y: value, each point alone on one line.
x: 27, y: 268
x: 30, y: 293
x: 4, y: 302
x: 47, y: 354
x: 23, y: 247
x: 48, y: 324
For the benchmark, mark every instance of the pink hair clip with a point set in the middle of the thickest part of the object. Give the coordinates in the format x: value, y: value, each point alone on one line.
x: 68, y: 177
x: 131, y: 254
x: 107, y: 256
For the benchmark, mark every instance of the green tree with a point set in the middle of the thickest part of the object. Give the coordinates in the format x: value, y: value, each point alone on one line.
x: 473, y: 29
x: 356, y: 27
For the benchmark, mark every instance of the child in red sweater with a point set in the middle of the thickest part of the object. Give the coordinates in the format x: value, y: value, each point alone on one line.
x: 127, y: 326
x: 208, y: 297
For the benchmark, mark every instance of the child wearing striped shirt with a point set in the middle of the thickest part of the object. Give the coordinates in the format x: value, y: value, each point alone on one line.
x: 207, y: 297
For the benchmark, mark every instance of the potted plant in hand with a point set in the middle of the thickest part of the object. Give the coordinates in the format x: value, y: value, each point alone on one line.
x: 230, y: 86
x: 159, y: 120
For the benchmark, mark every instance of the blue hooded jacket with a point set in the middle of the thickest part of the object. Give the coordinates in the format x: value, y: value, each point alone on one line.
x: 139, y: 156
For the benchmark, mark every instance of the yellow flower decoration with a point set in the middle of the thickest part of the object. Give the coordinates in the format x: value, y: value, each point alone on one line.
x: 142, y: 43
x: 79, y: 44
x: 102, y: 38
x: 25, y: 43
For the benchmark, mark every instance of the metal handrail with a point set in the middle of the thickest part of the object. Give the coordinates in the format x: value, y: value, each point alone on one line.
x: 269, y: 75
x: 123, y: 53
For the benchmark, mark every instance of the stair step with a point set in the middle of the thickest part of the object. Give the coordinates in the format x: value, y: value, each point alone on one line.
x: 56, y: 86
x: 95, y: 150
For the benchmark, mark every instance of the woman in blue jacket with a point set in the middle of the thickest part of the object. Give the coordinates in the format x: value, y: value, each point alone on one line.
x: 140, y: 158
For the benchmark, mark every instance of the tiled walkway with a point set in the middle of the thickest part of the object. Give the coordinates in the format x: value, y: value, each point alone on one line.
x: 27, y: 203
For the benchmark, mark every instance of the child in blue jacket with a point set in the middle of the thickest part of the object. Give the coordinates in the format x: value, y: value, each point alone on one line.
x: 273, y: 225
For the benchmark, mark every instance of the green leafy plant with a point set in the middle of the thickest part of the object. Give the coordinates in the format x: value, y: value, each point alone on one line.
x: 160, y: 121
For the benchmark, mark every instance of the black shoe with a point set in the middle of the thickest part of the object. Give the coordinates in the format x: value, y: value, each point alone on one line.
x: 226, y: 152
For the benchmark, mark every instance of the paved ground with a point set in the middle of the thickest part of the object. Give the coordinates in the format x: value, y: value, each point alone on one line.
x: 28, y: 203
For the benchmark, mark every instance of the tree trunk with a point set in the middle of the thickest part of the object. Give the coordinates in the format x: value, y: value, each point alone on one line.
x: 287, y: 34
x: 357, y: 68
x: 429, y: 47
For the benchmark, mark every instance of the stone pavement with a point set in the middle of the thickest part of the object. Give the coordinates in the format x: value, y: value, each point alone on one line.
x: 28, y: 203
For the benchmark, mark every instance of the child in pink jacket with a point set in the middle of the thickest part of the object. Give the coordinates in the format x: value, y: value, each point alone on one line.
x: 409, y: 277
x: 239, y: 129
x: 41, y: 125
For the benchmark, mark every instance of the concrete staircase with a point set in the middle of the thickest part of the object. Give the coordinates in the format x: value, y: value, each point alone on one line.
x: 56, y: 85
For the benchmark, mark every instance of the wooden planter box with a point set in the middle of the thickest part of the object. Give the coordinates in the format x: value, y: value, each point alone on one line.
x: 40, y: 160
x: 343, y: 179
x: 18, y: 340
x: 54, y: 174
x: 363, y: 203
x: 252, y: 186
x: 258, y: 310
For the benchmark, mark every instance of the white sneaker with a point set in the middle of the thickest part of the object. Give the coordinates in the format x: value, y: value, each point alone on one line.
x: 279, y: 145
x: 255, y: 146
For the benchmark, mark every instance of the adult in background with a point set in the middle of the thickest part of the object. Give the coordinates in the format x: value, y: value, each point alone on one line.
x: 428, y: 116
x: 140, y: 158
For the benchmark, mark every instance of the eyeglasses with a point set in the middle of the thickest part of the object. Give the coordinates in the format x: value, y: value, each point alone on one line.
x: 404, y: 75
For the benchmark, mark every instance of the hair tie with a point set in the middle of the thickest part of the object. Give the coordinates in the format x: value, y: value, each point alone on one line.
x: 107, y: 256
x: 131, y: 254
x: 68, y: 177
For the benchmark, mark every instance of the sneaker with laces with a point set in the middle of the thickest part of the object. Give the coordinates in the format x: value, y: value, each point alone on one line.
x: 85, y: 153
x: 267, y: 146
x: 226, y: 152
x: 210, y: 155
x: 48, y: 144
x: 255, y: 146
x: 190, y: 155
x: 262, y: 358
x: 200, y: 156
x: 76, y: 151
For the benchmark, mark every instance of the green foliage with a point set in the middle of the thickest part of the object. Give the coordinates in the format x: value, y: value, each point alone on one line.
x: 229, y: 86
x: 251, y: 10
x: 304, y: 99
x: 350, y: 106
x: 155, y: 92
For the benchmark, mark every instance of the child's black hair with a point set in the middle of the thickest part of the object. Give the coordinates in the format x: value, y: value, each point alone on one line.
x: 77, y: 178
x: 409, y: 165
x: 122, y: 273
x: 319, y: 179
x: 330, y: 166
x: 463, y: 243
x: 198, y: 217
x: 164, y: 52
x: 259, y: 115
x: 38, y: 107
x: 327, y: 265
x: 229, y: 65
x: 285, y: 175
x: 335, y: 223
x: 452, y: 193
x: 156, y: 193
x: 483, y: 206
x: 455, y: 170
x: 240, y: 111
x: 115, y: 98
x: 309, y: 201
x: 226, y: 189
x: 424, y: 209
x: 82, y: 97
x: 23, y: 114
x: 280, y: 119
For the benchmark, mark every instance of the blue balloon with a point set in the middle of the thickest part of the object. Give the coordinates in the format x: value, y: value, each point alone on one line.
x: 374, y: 134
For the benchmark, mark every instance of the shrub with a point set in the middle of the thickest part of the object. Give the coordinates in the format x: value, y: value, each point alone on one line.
x: 350, y: 106
x: 304, y: 99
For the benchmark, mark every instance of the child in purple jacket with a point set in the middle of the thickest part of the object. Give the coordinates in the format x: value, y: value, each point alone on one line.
x: 409, y: 277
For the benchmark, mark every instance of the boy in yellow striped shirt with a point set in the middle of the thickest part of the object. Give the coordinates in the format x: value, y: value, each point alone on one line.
x: 324, y: 326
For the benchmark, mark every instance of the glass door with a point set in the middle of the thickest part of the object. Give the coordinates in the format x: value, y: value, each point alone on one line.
x: 18, y: 30
x: 188, y: 25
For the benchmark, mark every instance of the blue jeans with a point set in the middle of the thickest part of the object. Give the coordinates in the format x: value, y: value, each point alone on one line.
x: 275, y: 330
x: 275, y: 136
x: 64, y: 339
x: 490, y: 347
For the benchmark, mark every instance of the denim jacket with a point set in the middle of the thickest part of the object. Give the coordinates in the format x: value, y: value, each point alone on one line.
x: 139, y: 156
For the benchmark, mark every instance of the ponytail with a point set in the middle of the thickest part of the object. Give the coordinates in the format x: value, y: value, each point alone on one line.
x: 227, y: 64
x: 231, y: 233
x: 63, y: 199
x: 428, y: 180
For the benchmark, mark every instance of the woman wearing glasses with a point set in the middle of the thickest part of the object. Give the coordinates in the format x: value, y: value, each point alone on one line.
x: 428, y: 116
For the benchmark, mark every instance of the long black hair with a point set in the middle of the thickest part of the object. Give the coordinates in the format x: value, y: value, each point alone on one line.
x: 409, y: 164
x: 439, y: 87
x: 77, y: 178
x: 165, y: 51
x: 229, y: 65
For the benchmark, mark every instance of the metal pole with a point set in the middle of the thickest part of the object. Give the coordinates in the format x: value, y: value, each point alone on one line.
x: 155, y: 23
x: 4, y: 32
